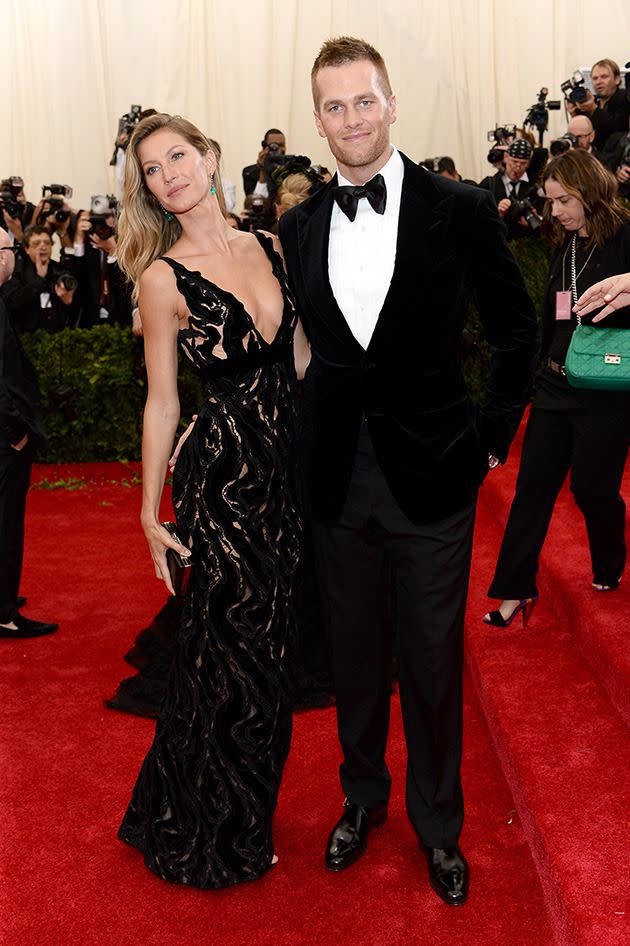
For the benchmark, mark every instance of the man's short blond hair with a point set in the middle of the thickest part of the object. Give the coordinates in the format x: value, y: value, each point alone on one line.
x: 608, y: 64
x: 345, y: 49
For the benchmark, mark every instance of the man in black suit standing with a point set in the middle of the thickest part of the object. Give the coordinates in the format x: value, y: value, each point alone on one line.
x: 381, y: 261
x: 21, y: 433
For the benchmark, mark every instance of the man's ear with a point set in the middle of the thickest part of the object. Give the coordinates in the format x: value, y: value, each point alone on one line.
x: 391, y: 107
x: 318, y: 124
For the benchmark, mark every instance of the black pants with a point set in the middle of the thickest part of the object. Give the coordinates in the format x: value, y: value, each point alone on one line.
x: 592, y: 442
x: 430, y: 567
x: 15, y: 475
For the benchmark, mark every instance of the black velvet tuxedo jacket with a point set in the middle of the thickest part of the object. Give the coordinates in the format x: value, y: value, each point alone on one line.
x: 431, y: 441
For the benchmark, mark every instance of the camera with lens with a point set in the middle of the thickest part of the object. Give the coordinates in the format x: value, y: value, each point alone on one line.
x: 128, y: 121
x: 10, y: 188
x: 54, y: 196
x: 259, y: 213
x: 502, y: 134
x: 67, y: 281
x: 574, y: 89
x: 8, y: 203
x: 560, y: 145
x: 102, y: 207
x: 525, y: 209
x: 538, y: 114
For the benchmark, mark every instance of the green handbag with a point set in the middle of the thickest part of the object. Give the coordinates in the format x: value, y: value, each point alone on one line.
x: 599, y: 358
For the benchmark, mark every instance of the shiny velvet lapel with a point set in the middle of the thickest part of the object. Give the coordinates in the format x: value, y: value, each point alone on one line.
x: 422, y: 243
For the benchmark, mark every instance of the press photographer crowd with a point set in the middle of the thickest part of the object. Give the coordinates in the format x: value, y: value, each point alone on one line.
x: 86, y: 287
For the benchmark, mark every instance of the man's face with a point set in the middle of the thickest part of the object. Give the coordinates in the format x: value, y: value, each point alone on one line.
x: 39, y: 248
x: 515, y: 167
x: 581, y: 128
x: 277, y: 139
x: 604, y: 82
x: 354, y: 114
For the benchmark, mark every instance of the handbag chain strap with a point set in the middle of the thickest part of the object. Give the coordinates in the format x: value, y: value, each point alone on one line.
x: 574, y: 277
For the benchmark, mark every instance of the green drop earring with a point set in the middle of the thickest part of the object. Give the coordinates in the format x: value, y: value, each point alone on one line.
x: 167, y: 214
x: 213, y: 190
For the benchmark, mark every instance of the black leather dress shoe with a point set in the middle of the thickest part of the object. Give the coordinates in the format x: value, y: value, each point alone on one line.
x: 25, y: 627
x: 348, y: 839
x: 448, y: 873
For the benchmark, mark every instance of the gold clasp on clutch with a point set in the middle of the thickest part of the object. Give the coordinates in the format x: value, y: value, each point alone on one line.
x: 612, y: 359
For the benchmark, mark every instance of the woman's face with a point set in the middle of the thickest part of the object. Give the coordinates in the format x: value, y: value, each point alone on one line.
x: 565, y: 208
x: 177, y: 175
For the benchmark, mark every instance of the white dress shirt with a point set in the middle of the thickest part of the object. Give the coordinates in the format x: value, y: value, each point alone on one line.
x: 362, y: 254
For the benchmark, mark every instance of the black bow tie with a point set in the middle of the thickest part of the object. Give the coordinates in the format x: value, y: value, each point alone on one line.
x: 348, y: 197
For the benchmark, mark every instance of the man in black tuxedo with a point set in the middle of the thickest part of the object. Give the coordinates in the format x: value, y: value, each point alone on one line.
x: 21, y: 433
x: 381, y: 261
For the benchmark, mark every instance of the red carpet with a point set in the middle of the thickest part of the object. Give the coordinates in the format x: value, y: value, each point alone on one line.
x: 556, y: 697
x: 69, y: 766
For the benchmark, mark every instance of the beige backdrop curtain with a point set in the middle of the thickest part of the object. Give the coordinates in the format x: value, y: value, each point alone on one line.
x: 236, y: 67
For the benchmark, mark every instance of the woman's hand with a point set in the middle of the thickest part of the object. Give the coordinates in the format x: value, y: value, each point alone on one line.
x: 159, y: 541
x: 180, y: 443
x: 612, y: 293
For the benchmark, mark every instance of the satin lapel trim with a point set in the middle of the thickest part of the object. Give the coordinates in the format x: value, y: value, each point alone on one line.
x: 313, y: 240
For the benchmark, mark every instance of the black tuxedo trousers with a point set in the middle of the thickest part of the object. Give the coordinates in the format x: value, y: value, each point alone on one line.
x: 15, y: 474
x: 430, y: 568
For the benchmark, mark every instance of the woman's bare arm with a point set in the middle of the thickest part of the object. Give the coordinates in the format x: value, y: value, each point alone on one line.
x: 158, y: 311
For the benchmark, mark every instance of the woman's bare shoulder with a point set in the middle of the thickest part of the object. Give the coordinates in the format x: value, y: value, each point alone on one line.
x: 158, y: 275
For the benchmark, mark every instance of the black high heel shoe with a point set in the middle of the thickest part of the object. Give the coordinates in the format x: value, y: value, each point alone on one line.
x: 524, y: 607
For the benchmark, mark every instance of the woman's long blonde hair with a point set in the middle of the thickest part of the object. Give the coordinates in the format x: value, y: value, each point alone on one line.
x: 144, y: 232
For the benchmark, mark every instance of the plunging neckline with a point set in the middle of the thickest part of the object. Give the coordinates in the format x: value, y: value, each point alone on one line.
x: 226, y: 293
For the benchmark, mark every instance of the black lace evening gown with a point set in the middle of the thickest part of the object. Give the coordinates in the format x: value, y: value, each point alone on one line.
x: 202, y: 808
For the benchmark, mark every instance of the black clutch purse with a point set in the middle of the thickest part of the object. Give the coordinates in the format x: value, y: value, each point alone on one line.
x: 178, y: 565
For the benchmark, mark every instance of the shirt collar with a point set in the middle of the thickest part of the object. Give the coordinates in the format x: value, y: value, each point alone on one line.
x: 522, y: 180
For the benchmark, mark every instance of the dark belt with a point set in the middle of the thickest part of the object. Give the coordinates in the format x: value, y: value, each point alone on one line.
x: 555, y: 367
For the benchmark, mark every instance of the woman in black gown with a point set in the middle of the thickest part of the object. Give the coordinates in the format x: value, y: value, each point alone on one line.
x: 202, y: 807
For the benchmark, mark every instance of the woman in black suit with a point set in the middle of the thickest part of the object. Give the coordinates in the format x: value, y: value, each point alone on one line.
x: 584, y: 431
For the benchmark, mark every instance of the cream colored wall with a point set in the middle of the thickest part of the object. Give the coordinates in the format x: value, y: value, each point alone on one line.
x: 236, y: 67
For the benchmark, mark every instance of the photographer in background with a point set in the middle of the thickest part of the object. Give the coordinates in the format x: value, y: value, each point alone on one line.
x: 617, y: 159
x: 446, y: 168
x: 54, y: 213
x: 17, y: 213
x: 126, y: 125
x: 516, y: 196
x: 22, y: 432
x: 255, y: 177
x: 581, y: 127
x: 609, y: 109
x: 41, y: 292
x: 104, y: 292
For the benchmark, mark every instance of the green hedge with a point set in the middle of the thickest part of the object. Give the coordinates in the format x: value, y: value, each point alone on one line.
x: 101, y: 417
